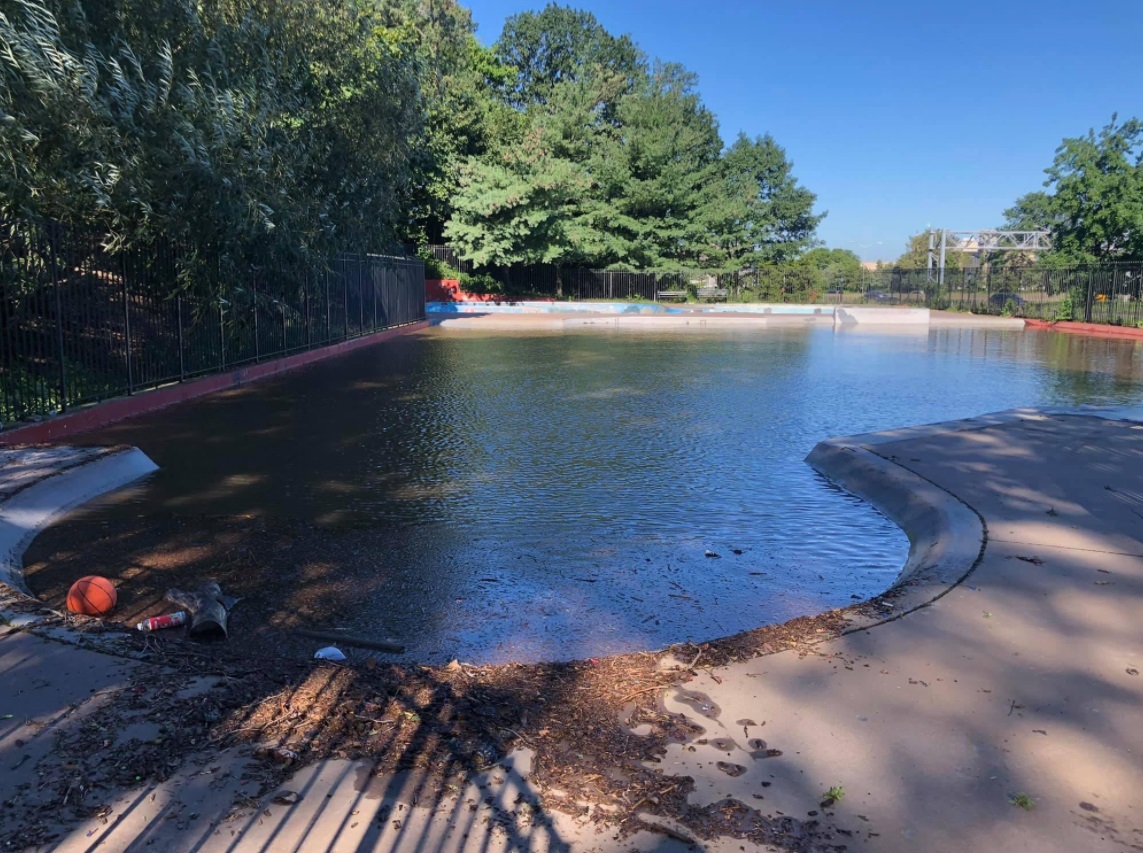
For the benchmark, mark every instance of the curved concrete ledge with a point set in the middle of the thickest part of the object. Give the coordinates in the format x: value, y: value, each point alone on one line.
x: 78, y: 478
x: 946, y: 537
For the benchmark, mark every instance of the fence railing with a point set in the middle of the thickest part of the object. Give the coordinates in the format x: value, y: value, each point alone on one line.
x: 79, y: 324
x: 1103, y: 293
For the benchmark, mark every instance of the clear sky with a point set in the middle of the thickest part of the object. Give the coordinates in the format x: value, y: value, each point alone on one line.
x: 897, y: 114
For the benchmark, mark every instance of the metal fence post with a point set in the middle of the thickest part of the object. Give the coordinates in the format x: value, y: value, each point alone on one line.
x: 1089, y: 301
x: 126, y: 324
x: 254, y: 305
x: 59, y: 316
x: 182, y: 344
x: 306, y: 304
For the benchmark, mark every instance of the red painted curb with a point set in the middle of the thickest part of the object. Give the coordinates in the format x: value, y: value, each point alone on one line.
x: 121, y: 408
x: 1095, y: 330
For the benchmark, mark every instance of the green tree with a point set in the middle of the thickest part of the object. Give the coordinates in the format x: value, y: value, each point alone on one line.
x: 654, y: 181
x: 534, y: 202
x: 916, y: 255
x: 834, y: 267
x: 462, y: 85
x: 562, y: 45
x: 247, y: 130
x: 1094, y: 202
x: 757, y: 212
x: 619, y: 165
x: 584, y: 189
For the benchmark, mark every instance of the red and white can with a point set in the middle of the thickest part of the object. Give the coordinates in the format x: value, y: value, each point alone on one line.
x: 157, y: 623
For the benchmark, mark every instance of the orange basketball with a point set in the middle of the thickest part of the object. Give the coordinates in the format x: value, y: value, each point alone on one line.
x: 92, y: 596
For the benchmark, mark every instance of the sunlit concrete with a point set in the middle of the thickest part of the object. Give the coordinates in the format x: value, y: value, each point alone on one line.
x: 1021, y: 680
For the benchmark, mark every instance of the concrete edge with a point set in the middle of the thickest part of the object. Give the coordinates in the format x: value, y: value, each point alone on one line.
x: 946, y: 536
x: 1007, y: 416
x: 25, y: 514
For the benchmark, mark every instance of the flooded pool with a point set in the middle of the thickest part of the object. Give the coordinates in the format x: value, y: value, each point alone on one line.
x: 495, y: 497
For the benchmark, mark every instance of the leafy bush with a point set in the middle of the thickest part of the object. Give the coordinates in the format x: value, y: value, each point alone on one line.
x: 1067, y: 307
x: 436, y: 268
x: 479, y: 283
x: 212, y: 125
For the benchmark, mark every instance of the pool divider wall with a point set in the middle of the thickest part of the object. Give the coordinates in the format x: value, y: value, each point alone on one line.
x: 625, y: 308
x: 856, y: 315
x: 838, y: 315
x: 101, y: 414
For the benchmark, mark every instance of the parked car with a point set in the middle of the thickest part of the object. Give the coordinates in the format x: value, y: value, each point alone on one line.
x: 878, y: 296
x: 999, y: 300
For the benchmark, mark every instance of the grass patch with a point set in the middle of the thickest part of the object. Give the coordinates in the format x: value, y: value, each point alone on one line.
x: 1024, y: 801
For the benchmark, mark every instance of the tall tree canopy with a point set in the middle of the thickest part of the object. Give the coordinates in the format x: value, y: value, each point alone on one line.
x: 1093, y: 203
x: 620, y: 165
x: 561, y: 45
x: 465, y: 113
x: 275, y: 129
x: 242, y: 128
x: 760, y: 213
x: 837, y: 267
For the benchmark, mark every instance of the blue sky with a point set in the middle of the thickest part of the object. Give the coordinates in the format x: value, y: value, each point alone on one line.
x: 896, y: 115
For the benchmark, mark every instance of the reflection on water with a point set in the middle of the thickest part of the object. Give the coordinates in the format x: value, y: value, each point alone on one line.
x: 537, y: 495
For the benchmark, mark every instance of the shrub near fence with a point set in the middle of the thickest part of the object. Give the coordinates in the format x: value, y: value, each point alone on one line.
x: 78, y: 324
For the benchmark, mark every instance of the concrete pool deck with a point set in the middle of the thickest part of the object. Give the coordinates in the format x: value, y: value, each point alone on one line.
x: 1022, y: 679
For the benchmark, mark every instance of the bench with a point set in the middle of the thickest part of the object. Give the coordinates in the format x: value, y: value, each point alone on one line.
x: 712, y: 293
x: 702, y: 293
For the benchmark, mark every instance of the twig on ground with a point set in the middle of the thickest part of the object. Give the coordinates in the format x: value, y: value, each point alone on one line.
x: 640, y: 692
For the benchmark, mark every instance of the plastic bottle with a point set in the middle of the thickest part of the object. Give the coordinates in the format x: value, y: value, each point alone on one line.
x: 157, y: 623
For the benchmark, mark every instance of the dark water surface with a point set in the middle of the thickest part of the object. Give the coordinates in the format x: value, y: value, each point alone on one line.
x: 528, y: 496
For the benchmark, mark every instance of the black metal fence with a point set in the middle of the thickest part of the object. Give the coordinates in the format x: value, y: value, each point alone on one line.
x: 1103, y: 293
x: 79, y: 324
